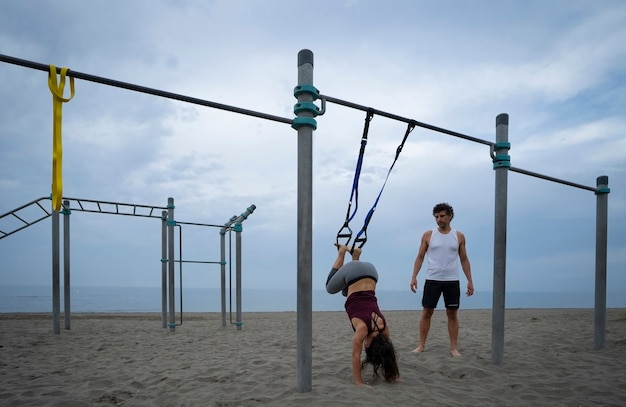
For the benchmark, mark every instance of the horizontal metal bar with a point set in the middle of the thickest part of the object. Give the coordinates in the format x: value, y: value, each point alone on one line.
x: 143, y: 89
x: 198, y: 224
x: 197, y: 261
x: 405, y: 120
x: 553, y: 179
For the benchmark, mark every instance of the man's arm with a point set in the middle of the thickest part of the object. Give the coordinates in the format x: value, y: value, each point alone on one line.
x: 419, y: 260
x: 465, y: 264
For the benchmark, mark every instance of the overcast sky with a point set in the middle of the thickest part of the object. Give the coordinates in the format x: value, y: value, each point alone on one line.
x: 556, y: 67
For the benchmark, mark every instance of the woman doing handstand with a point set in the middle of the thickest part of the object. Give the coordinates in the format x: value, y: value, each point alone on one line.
x: 357, y: 281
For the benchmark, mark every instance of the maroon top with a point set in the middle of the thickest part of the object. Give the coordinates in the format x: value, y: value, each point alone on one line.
x: 360, y: 305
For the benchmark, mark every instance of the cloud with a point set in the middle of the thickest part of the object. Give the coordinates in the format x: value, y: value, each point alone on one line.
x: 556, y: 69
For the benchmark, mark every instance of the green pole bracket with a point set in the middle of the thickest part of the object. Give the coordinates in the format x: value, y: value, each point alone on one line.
x: 306, y: 107
x: 603, y: 190
x: 163, y: 260
x: 238, y: 227
x: 306, y: 89
x: 501, y: 145
x: 171, y: 222
x: 239, y: 323
x: 66, y: 211
x: 304, y: 121
x: 502, y: 161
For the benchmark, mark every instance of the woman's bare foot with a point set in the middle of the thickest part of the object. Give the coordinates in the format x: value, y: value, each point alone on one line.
x: 419, y: 349
x: 455, y: 353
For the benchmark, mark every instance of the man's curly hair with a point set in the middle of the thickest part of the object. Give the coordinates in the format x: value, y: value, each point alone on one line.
x: 444, y: 207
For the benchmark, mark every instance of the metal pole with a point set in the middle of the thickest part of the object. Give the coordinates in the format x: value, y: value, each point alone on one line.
x: 66, y: 264
x: 223, y: 274
x: 56, y: 295
x: 170, y: 243
x: 238, y: 230
x: 164, y: 268
x: 602, y: 199
x: 305, y: 124
x: 501, y: 164
x: 223, y: 231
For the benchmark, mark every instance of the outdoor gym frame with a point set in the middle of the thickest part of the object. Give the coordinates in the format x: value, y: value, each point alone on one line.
x: 168, y: 258
x: 305, y: 123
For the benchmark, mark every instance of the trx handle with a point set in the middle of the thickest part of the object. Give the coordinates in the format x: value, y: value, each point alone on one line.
x: 344, y: 233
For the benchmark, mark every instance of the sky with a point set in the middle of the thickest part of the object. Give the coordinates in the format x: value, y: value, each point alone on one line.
x: 557, y: 68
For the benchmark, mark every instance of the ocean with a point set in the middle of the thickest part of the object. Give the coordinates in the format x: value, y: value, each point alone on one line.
x: 148, y: 299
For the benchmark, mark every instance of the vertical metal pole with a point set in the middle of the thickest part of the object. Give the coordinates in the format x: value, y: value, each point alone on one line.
x: 170, y: 257
x: 304, y: 369
x: 602, y: 199
x: 66, y: 264
x: 56, y: 289
x: 164, y: 268
x: 223, y: 273
x: 238, y: 229
x: 501, y: 165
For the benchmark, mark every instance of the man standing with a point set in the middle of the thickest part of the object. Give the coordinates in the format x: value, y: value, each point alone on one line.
x: 443, y: 246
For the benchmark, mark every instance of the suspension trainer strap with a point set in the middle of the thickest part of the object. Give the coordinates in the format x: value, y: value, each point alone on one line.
x: 361, y: 237
x: 345, y: 232
x: 56, y: 88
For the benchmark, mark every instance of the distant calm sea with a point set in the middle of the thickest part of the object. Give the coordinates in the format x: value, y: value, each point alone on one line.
x: 148, y: 299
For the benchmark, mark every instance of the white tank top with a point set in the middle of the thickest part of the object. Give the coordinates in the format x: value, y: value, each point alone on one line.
x: 443, y: 255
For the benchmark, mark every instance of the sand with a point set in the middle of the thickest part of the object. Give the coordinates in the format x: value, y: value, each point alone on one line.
x: 131, y: 360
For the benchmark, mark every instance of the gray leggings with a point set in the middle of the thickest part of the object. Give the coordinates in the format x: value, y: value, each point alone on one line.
x: 339, y: 280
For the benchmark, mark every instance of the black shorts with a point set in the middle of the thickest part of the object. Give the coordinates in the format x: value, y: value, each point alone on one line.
x: 433, y: 289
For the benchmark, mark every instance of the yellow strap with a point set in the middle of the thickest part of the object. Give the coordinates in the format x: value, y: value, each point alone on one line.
x: 57, y: 145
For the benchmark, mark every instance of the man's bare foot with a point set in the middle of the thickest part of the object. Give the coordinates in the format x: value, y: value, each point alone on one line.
x: 419, y: 349
x: 455, y: 353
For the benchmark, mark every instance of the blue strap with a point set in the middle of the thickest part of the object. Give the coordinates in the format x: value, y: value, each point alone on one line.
x: 368, y: 217
x: 345, y: 232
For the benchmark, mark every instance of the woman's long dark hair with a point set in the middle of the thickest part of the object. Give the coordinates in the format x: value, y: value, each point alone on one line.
x: 382, y: 354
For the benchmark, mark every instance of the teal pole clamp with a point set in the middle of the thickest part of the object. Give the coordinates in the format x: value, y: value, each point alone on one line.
x: 222, y: 232
x: 304, y: 121
x: 170, y: 206
x: 163, y: 260
x: 502, y: 161
x: 223, y: 263
x: 306, y: 89
x: 239, y: 323
x: 171, y: 222
x: 306, y: 107
x: 501, y: 145
x: 171, y: 325
x: 66, y: 211
x: 238, y: 227
x: 603, y: 190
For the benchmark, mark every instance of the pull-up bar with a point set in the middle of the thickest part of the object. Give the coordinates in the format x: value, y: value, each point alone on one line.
x: 404, y: 119
x: 143, y: 89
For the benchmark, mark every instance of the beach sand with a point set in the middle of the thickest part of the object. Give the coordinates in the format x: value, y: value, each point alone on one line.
x: 131, y: 360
